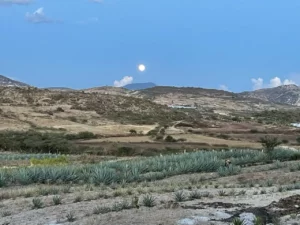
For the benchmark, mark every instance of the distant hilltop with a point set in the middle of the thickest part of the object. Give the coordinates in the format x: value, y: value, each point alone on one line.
x: 139, y: 86
x: 7, y: 82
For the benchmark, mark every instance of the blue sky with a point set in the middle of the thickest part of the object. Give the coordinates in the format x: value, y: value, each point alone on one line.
x: 234, y: 44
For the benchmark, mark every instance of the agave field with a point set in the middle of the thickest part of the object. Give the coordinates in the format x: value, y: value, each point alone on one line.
x: 138, y: 170
x: 159, y: 190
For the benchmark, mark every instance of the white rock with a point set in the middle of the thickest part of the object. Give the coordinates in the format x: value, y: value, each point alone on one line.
x: 222, y: 215
x: 186, y: 221
x: 248, y: 218
x: 201, y: 219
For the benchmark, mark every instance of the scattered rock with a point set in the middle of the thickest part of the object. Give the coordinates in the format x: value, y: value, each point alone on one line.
x: 201, y: 219
x: 186, y: 221
x: 221, y: 215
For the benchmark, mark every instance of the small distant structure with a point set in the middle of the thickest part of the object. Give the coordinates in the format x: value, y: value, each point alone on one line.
x: 295, y: 125
x: 182, y: 106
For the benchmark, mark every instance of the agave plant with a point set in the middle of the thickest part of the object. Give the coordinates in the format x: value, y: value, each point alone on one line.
x: 149, y: 201
x: 229, y: 171
x: 104, y: 175
x: 2, y: 179
x: 179, y: 196
x: 238, y: 221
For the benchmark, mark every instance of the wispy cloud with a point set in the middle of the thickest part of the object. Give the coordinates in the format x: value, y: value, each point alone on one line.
x: 89, y: 20
x: 223, y: 87
x: 38, y: 16
x: 274, y: 82
x: 124, y: 81
x: 15, y: 2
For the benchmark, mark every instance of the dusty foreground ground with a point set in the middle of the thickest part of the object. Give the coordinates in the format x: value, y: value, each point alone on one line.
x: 271, y: 192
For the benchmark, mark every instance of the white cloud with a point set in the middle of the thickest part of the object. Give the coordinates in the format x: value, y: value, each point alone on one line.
x: 224, y: 87
x: 287, y: 82
x: 124, y: 81
x: 38, y: 17
x: 15, y: 2
x: 274, y: 82
x: 257, y: 83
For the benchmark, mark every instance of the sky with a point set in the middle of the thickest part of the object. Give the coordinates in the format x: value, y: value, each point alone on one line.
x: 233, y: 45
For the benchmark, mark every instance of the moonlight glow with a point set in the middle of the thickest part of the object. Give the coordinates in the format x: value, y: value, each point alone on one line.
x: 141, y: 67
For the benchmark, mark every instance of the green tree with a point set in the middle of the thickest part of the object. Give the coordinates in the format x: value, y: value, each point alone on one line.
x: 269, y: 143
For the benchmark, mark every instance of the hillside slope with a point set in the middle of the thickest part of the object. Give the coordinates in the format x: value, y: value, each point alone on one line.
x: 286, y: 94
x: 207, y: 99
x: 114, y: 108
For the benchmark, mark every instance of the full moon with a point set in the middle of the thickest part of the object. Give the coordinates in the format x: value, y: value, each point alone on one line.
x: 141, y: 67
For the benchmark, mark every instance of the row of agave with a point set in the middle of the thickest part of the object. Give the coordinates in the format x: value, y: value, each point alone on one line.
x: 138, y: 170
x: 7, y: 157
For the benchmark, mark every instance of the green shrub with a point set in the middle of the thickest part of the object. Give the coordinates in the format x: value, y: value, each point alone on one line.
x: 169, y: 138
x: 269, y: 143
x: 253, y: 131
x: 78, y: 199
x: 73, y: 119
x: 223, y: 136
x: 56, y: 200
x: 133, y: 132
x: 125, y: 151
x: 32, y: 141
x: 236, y: 118
x: 59, y: 109
x: 159, y: 137
x: 84, y: 135
x: 37, y: 203
x: 153, y: 132
x: 162, y: 131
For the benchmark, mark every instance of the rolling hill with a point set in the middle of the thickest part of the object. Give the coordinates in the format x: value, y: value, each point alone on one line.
x: 285, y: 94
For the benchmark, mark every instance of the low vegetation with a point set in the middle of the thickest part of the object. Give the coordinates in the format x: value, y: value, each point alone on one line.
x: 148, y: 169
x: 49, y: 161
x: 278, y: 116
x: 40, y: 142
x: 269, y: 143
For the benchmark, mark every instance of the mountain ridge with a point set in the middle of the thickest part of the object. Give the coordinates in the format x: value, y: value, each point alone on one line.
x: 8, y: 82
x: 285, y: 94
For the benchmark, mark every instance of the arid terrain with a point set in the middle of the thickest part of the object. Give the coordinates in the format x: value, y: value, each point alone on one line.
x: 111, y: 155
